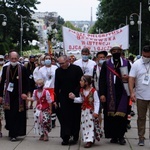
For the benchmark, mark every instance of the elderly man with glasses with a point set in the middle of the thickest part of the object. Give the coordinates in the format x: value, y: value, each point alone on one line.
x: 67, y: 78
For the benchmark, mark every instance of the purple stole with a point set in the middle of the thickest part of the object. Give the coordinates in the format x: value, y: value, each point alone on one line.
x: 122, y: 107
x: 7, y: 96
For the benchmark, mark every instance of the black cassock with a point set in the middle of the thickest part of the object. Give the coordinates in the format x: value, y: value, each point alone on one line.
x: 114, y: 127
x: 15, y: 120
x: 66, y: 81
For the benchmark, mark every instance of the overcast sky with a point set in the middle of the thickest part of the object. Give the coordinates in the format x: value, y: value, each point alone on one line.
x: 70, y: 9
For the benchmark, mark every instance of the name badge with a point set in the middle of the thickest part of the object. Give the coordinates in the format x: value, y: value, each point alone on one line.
x: 31, y: 76
x: 10, y: 87
x: 146, y: 79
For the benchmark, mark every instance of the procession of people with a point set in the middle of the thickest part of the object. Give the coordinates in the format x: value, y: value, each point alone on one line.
x: 79, y: 93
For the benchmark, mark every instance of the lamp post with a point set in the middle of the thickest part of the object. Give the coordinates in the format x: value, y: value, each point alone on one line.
x: 149, y: 5
x: 121, y: 24
x: 4, y: 23
x: 21, y: 31
x: 99, y: 31
x: 139, y: 22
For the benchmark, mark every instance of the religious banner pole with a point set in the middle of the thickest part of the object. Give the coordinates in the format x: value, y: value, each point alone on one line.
x: 51, y: 34
x: 50, y: 50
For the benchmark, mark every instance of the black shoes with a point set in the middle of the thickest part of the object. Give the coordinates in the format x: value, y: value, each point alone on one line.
x: 128, y: 126
x: 122, y: 141
x: 65, y: 143
x: 73, y: 142
x: 53, y: 125
x: 13, y: 139
x: 132, y: 113
x: 114, y: 140
x: 69, y: 142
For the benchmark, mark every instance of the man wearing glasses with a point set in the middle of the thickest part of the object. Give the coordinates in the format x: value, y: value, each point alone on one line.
x: 67, y: 78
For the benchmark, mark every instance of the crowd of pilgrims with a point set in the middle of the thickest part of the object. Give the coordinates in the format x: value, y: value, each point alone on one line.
x: 67, y: 89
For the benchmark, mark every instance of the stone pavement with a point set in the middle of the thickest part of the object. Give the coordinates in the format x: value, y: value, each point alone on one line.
x: 31, y: 142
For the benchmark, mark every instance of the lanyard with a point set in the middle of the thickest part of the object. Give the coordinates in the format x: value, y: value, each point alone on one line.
x: 13, y: 74
x: 49, y: 75
x: 147, y: 68
x: 84, y: 66
x: 98, y: 69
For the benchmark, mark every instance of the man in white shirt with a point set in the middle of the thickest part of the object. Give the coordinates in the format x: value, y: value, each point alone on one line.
x: 139, y: 86
x: 85, y: 63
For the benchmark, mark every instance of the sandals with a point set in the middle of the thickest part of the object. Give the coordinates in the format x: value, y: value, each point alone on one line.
x: 45, y: 137
x: 41, y: 137
x: 88, y: 145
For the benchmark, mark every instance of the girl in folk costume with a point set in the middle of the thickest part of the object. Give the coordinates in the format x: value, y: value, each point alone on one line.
x: 90, y: 109
x: 43, y: 110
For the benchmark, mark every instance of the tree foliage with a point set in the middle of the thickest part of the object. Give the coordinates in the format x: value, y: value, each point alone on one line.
x: 13, y: 9
x: 68, y: 24
x: 60, y: 23
x: 112, y: 13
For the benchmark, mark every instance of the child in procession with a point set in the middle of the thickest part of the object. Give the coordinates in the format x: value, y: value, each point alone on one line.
x: 90, y: 127
x: 43, y: 110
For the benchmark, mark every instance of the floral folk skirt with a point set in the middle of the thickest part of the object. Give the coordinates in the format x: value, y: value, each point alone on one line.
x: 42, y: 122
x: 90, y: 127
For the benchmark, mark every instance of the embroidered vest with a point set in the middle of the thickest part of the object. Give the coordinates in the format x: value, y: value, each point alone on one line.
x: 88, y: 101
x: 42, y: 100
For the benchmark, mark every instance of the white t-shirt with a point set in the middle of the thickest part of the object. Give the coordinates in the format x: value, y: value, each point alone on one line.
x: 138, y: 70
x: 48, y: 75
x: 87, y: 67
x: 36, y: 74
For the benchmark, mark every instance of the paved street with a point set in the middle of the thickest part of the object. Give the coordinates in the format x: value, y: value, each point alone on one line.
x: 31, y: 142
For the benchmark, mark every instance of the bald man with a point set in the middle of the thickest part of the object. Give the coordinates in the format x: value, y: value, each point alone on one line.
x: 15, y: 77
x: 67, y: 78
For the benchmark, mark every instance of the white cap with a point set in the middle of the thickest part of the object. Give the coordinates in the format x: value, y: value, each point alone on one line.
x: 26, y: 60
x: 115, y: 46
x: 109, y: 54
x: 1, y: 57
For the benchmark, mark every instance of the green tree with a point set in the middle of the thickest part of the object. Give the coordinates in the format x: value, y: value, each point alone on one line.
x: 60, y: 23
x: 13, y: 9
x: 111, y: 13
x: 68, y: 24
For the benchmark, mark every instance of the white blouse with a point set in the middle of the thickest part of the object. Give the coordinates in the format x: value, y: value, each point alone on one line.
x: 39, y: 95
x: 96, y: 100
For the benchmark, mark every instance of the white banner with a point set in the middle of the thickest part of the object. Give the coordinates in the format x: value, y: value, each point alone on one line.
x: 74, y: 40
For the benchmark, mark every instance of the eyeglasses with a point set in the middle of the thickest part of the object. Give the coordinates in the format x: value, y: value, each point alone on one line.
x: 62, y: 63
